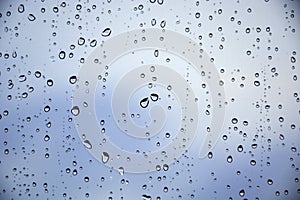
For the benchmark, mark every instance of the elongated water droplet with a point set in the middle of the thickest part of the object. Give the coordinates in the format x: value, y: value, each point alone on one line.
x: 121, y: 171
x: 106, y: 32
x: 156, y: 52
x: 105, y: 157
x: 146, y: 197
x: 21, y: 8
x: 22, y: 78
x: 31, y: 17
x: 144, y: 102
x: 87, y: 144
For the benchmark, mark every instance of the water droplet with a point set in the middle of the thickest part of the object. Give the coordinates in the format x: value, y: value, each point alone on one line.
x: 156, y: 53
x: 93, y: 43
x: 144, y: 102
x: 31, y: 17
x: 293, y: 59
x: 256, y: 83
x: 21, y: 8
x: 75, y: 110
x: 47, y: 108
x: 293, y: 149
x: 234, y: 120
x: 165, y: 167
x: 146, y: 197
x: 210, y: 155
x: 74, y: 172
x: 229, y: 159
x: 121, y: 171
x: 281, y: 136
x: 240, y: 148
x: 6, y: 151
x: 242, y: 193
x: 86, y: 179
x: 154, y: 97
x: 62, y: 54
x: 50, y: 82
x: 22, y: 78
x: 252, y: 162
x: 81, y: 41
x: 105, y: 157
x: 37, y: 74
x: 153, y: 22
x: 87, y: 144
x: 270, y: 181
x: 106, y: 32
x: 72, y: 79
x: 163, y: 24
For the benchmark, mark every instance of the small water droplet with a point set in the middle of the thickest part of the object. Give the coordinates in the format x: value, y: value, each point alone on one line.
x: 154, y: 97
x: 256, y: 83
x: 252, y: 162
x: 81, y: 41
x: 156, y: 53
x: 105, y: 157
x: 106, y: 32
x: 50, y: 82
x: 210, y: 155
x: 93, y: 43
x: 144, y: 102
x: 234, y: 120
x: 270, y: 181
x: 293, y: 59
x: 37, y: 74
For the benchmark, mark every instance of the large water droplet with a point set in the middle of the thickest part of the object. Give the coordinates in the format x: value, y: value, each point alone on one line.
x: 144, y: 102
